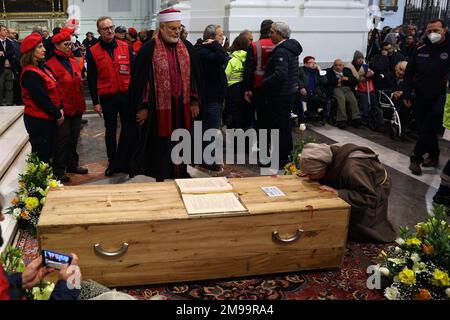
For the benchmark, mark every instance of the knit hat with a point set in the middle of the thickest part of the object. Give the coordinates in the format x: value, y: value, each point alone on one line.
x: 133, y: 32
x: 315, y: 158
x: 30, y: 42
x: 169, y: 15
x: 358, y: 55
x: 61, y: 37
x: 306, y: 60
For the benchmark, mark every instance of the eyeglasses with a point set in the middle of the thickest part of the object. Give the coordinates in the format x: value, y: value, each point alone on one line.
x: 106, y: 29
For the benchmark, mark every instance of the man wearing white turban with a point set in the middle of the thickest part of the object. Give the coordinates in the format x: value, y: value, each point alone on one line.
x: 356, y: 175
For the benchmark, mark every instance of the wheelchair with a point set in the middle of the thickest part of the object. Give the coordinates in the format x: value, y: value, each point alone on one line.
x: 386, y: 114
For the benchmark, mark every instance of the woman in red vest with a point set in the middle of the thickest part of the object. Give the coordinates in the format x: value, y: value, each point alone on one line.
x: 67, y: 72
x: 41, y: 97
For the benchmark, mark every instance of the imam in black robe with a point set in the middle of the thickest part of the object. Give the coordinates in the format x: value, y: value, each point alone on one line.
x: 150, y: 153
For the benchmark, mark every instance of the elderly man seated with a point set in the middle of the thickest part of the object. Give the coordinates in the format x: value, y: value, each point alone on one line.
x: 341, y: 84
x: 355, y: 174
x: 312, y: 88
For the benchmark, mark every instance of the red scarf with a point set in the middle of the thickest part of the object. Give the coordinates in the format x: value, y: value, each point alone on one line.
x: 163, y: 87
x: 64, y: 55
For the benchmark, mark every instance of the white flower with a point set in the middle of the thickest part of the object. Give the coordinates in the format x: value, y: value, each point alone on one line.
x: 398, y: 249
x: 303, y: 127
x: 392, y: 293
x: 447, y: 292
x: 415, y: 257
x: 400, y: 241
x: 384, y: 271
x: 16, y: 213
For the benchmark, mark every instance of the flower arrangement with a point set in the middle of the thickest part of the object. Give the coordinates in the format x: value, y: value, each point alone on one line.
x: 293, y: 167
x: 12, y: 262
x: 34, y: 185
x: 419, y: 267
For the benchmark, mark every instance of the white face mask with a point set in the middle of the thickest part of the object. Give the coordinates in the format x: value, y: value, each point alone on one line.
x: 435, y: 37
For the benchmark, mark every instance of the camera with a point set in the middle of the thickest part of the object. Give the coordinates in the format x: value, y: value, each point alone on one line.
x: 55, y: 260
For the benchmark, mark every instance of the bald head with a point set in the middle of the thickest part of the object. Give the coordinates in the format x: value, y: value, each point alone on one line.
x: 338, y: 65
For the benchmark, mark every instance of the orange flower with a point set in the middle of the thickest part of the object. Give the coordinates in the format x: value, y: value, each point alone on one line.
x: 25, y: 215
x: 424, y: 295
x: 15, y: 201
x: 428, y: 249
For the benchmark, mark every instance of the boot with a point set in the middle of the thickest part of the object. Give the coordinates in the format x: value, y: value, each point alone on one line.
x: 431, y: 162
x: 415, y: 167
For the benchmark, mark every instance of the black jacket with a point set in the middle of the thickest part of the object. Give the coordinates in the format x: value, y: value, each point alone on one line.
x: 282, y: 75
x: 333, y: 81
x: 428, y: 70
x: 9, y: 53
x: 214, y: 61
x: 384, y: 69
x: 320, y: 81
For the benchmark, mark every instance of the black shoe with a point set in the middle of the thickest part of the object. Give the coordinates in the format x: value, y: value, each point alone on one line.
x: 431, y: 162
x: 84, y: 121
x: 415, y: 168
x: 62, y: 178
x: 109, y: 172
x: 442, y: 199
x: 78, y: 170
x: 356, y: 123
x: 341, y: 125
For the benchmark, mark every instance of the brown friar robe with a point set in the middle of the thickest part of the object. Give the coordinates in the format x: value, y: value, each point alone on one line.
x: 362, y: 182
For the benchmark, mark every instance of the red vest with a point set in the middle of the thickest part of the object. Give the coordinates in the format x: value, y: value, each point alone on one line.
x: 113, y: 76
x: 261, y: 52
x: 31, y: 107
x: 71, y: 86
x: 136, y: 46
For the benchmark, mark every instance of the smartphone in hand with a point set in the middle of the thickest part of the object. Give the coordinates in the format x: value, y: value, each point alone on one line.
x: 55, y: 260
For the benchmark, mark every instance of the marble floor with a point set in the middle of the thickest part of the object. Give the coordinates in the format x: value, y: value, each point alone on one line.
x: 410, y: 199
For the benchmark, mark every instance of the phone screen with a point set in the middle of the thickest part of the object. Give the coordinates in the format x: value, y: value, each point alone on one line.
x: 55, y: 260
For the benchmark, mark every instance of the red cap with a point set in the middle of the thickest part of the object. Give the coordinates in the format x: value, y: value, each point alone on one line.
x: 30, y: 42
x: 73, y: 22
x: 69, y: 30
x: 133, y: 32
x: 305, y: 61
x: 61, y: 37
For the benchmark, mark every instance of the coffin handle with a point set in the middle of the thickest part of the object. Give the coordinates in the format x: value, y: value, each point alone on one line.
x: 102, y: 253
x: 296, y: 237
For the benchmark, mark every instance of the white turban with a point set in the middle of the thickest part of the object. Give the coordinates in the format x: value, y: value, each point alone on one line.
x: 315, y: 158
x: 169, y: 15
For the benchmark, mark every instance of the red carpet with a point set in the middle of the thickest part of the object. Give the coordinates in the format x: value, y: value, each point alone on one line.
x: 349, y: 283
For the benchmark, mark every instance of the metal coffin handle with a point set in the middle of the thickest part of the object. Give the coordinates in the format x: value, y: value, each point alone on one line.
x: 277, y: 238
x: 102, y: 253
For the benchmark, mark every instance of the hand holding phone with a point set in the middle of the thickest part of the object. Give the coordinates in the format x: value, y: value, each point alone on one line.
x: 55, y: 260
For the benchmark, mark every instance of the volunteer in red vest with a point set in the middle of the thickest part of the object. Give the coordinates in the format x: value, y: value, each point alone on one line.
x: 68, y: 73
x: 136, y: 44
x: 257, y: 57
x: 41, y: 97
x: 110, y: 63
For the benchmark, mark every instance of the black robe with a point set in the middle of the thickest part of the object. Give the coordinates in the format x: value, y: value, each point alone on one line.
x: 151, y: 154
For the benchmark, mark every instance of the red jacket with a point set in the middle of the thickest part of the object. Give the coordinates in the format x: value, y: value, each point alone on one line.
x: 31, y: 107
x: 70, y: 84
x: 261, y: 52
x: 113, y: 76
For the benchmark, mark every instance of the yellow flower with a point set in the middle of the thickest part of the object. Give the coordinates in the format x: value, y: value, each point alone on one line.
x: 53, y: 184
x: 407, y: 276
x: 440, y: 278
x: 25, y: 215
x: 31, y: 203
x: 413, y: 242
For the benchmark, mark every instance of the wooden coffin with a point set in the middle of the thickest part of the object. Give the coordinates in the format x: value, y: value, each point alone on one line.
x: 146, y: 229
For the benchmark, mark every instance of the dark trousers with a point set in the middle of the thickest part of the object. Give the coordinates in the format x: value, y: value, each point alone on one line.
x: 235, y: 115
x: 42, y: 136
x: 429, y: 114
x: 262, y: 109
x: 67, y: 136
x: 112, y: 108
x: 280, y: 115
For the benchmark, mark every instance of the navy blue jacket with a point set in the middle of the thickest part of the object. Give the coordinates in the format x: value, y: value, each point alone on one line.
x: 282, y: 74
x: 214, y: 61
x: 9, y: 53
